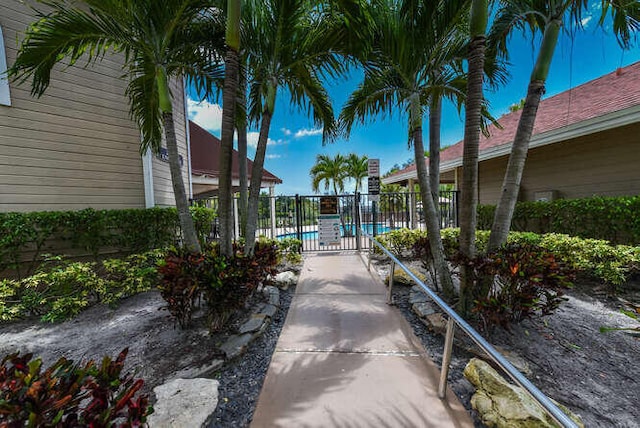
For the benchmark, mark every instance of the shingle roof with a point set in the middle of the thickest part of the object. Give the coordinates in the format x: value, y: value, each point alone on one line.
x: 205, y: 155
x: 610, y: 93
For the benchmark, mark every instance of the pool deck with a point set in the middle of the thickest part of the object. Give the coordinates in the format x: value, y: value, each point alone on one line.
x: 347, y: 359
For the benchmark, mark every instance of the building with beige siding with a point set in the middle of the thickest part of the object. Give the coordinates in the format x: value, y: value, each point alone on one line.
x: 586, y: 142
x: 77, y: 146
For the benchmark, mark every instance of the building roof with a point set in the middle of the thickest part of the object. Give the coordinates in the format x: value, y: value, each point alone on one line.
x: 609, y: 101
x: 205, y: 155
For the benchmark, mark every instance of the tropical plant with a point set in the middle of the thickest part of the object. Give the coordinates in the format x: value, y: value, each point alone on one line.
x: 290, y: 44
x: 413, y: 62
x: 229, y: 101
x: 547, y: 17
x: 331, y: 172
x: 357, y: 169
x: 158, y: 42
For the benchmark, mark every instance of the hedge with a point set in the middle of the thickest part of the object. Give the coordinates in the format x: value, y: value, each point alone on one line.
x: 25, y: 237
x: 613, y: 219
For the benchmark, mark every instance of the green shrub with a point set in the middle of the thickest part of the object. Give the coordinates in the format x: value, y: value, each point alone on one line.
x: 401, y: 240
x: 89, y: 231
x: 516, y: 282
x: 129, y: 276
x: 289, y: 249
x: 68, y: 394
x: 612, y: 219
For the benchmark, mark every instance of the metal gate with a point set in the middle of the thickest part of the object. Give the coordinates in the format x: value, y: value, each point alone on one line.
x: 298, y: 216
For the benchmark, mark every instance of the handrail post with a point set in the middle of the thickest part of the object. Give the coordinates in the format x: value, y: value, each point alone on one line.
x: 446, y: 358
x: 356, y: 214
x: 391, y: 274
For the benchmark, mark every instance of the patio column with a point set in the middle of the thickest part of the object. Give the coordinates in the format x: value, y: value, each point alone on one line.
x: 236, y: 218
x: 272, y: 210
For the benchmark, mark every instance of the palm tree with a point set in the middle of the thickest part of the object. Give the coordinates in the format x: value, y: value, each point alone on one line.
x: 473, y: 110
x: 159, y: 42
x: 414, y: 41
x: 547, y: 17
x: 291, y: 44
x: 357, y: 169
x: 329, y: 171
x: 229, y: 99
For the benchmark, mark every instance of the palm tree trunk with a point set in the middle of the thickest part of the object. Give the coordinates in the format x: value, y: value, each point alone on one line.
x: 242, y: 156
x: 189, y: 235
x: 520, y: 148
x: 229, y: 98
x: 256, y: 180
x: 469, y: 189
x: 431, y: 217
x: 435, y: 120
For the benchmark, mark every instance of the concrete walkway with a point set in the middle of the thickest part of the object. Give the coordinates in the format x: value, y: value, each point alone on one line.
x: 347, y: 359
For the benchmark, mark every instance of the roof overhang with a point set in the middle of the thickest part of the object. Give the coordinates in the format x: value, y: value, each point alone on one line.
x: 591, y: 126
x: 235, y: 182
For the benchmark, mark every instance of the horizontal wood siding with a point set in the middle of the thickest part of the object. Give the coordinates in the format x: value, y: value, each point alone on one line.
x: 162, y: 185
x: 602, y: 164
x: 76, y: 146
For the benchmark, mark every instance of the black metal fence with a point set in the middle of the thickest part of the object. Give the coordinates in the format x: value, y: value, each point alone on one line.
x: 298, y: 216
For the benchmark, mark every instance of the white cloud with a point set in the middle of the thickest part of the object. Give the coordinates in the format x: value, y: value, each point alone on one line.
x: 585, y: 21
x: 307, y: 132
x: 252, y: 140
x: 286, y: 131
x: 274, y: 156
x: 205, y: 114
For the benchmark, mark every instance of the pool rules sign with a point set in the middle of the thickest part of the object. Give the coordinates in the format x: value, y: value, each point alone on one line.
x: 373, y: 182
x: 329, y: 221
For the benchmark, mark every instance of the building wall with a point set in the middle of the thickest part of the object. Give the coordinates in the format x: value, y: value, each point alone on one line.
x: 76, y: 146
x: 602, y: 164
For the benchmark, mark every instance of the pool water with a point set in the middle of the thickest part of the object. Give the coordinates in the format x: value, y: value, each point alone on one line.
x: 368, y: 227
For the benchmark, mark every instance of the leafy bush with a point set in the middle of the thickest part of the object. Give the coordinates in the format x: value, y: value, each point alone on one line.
x: 289, y: 249
x: 516, y: 282
x: 68, y: 394
x: 25, y: 236
x: 225, y: 283
x: 401, y: 240
x: 612, y: 219
x: 60, y: 289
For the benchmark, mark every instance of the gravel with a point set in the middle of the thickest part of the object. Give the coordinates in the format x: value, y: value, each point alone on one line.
x: 241, y: 380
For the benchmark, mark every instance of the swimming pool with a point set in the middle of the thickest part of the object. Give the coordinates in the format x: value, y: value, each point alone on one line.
x: 368, y: 227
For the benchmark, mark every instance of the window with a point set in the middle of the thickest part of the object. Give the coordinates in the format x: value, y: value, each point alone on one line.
x: 5, y: 96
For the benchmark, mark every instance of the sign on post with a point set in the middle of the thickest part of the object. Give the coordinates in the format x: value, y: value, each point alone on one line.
x: 373, y: 182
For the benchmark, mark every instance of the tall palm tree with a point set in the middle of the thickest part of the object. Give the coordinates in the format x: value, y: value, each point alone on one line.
x: 330, y: 172
x: 357, y: 169
x: 546, y: 16
x: 159, y: 42
x: 413, y: 41
x: 478, y: 17
x: 290, y: 44
x: 229, y: 99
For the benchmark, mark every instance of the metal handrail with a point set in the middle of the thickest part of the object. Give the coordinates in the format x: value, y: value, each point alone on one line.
x: 454, y: 319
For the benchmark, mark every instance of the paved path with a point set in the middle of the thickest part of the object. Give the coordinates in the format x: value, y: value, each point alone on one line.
x: 347, y: 359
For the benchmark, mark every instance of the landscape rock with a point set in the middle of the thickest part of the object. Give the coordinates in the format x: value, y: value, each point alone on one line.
x: 184, y: 403
x: 503, y: 405
x: 273, y: 294
x: 402, y: 278
x: 268, y: 310
x: 236, y: 345
x: 436, y: 322
x: 418, y: 296
x: 423, y: 309
x: 205, y: 370
x: 284, y: 280
x: 253, y: 324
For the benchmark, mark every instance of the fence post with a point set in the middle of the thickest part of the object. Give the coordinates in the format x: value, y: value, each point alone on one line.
x: 374, y: 210
x: 392, y: 272
x: 298, y: 218
x: 272, y: 212
x: 356, y: 214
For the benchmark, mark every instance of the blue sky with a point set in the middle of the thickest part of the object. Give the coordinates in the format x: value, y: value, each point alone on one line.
x: 295, y: 142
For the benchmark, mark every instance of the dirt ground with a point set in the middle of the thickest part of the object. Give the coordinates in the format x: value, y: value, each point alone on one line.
x: 158, y: 349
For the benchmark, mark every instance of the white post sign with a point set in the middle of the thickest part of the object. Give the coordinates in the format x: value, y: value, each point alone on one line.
x: 329, y: 229
x: 373, y: 182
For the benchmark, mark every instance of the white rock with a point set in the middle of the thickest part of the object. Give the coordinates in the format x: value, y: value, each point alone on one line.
x: 184, y: 403
x: 286, y: 279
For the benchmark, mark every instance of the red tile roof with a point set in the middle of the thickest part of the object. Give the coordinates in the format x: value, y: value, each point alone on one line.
x: 607, y: 94
x: 205, y: 155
